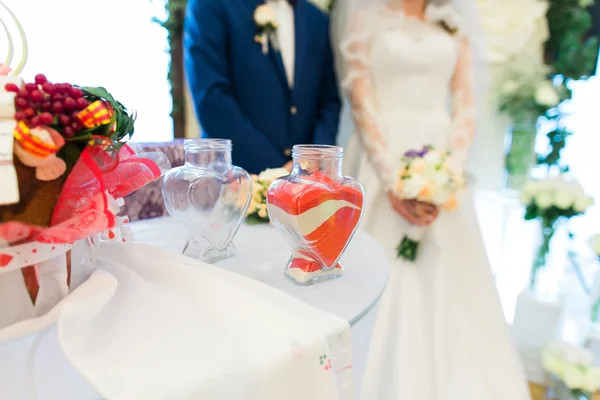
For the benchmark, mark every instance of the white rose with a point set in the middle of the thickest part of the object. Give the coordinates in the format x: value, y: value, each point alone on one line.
x: 573, y: 377
x: 413, y: 186
x: 440, y: 179
x: 265, y: 15
x: 509, y: 87
x: 582, y: 203
x: 525, y: 198
x: 578, y: 355
x: 433, y: 157
x: 270, y: 175
x: 592, y: 380
x: 563, y: 199
x: 553, y: 364
x: 543, y: 200
x: 595, y: 244
x: 531, y: 188
x: 441, y: 196
x: 546, y: 95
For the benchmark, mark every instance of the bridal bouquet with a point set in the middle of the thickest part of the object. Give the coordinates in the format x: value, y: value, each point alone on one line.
x: 430, y: 176
x: 573, y: 367
x: 257, y: 211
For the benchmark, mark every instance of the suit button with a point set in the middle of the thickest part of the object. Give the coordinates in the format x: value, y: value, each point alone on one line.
x: 293, y: 110
x: 287, y: 152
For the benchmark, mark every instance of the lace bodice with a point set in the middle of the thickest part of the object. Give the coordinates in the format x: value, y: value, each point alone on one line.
x: 407, y: 77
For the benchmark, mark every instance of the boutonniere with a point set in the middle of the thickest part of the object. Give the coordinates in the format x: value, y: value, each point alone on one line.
x: 266, y: 23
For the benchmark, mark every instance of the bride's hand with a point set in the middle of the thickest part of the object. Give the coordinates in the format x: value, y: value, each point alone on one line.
x: 415, y: 212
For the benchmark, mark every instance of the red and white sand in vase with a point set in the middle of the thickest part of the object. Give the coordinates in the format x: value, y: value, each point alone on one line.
x: 321, y: 216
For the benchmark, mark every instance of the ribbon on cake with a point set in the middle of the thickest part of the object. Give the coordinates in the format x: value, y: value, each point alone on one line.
x: 85, y: 208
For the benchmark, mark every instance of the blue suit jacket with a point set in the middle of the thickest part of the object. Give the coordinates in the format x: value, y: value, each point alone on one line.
x: 243, y: 95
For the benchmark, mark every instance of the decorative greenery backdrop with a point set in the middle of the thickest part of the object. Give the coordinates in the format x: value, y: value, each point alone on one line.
x: 571, y: 54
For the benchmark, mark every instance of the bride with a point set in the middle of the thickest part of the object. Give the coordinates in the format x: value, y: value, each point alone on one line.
x: 440, y: 331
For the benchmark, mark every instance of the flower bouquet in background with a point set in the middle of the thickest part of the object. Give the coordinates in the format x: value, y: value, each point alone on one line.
x: 525, y: 97
x: 65, y: 145
x: 430, y: 176
x: 550, y: 201
x: 572, y: 370
x: 257, y: 211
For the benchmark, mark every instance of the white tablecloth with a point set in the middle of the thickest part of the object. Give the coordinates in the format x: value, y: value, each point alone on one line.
x: 149, y: 324
x: 262, y: 255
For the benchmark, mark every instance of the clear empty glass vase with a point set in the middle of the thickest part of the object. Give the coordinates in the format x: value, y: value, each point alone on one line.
x: 209, y: 196
x: 317, y: 210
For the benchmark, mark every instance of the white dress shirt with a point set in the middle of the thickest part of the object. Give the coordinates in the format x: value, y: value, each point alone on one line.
x: 286, y: 36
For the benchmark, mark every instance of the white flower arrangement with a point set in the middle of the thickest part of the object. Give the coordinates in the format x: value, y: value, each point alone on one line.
x: 513, y: 28
x: 572, y: 365
x: 549, y: 201
x: 266, y: 22
x: 257, y: 211
x: 431, y: 176
x: 554, y: 198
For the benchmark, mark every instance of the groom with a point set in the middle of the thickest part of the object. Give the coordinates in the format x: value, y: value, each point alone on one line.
x: 263, y: 79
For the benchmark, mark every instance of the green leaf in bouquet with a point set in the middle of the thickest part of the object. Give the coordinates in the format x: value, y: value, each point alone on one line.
x: 99, y: 92
x: 531, y: 212
x: 82, y: 137
x: 70, y: 154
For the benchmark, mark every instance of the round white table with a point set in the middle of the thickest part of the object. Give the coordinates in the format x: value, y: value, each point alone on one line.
x: 262, y: 255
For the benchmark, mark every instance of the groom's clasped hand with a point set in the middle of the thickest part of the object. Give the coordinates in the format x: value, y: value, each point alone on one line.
x: 415, y: 212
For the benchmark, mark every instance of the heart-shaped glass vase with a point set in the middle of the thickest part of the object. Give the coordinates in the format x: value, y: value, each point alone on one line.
x: 317, y: 210
x: 209, y: 196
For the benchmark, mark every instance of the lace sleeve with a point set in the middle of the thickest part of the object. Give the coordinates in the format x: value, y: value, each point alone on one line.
x: 463, y: 104
x: 358, y: 85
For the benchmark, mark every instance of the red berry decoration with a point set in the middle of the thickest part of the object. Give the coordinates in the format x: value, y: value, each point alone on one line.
x: 36, y: 96
x: 46, y: 106
x: 75, y: 115
x: 57, y: 97
x: 20, y: 116
x: 76, y: 125
x: 46, y: 118
x: 57, y: 107
x: 69, y: 104
x: 76, y: 93
x: 40, y: 79
x: 21, y: 103
x: 30, y: 87
x: 35, y: 121
x: 29, y: 113
x: 69, y: 132
x: 23, y: 93
x: 48, y: 88
x: 11, y: 87
x: 64, y: 120
x: 82, y: 103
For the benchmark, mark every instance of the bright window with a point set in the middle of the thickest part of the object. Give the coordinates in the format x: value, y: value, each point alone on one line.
x: 110, y: 43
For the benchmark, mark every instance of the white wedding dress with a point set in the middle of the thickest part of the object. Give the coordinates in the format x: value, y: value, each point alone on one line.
x: 440, y: 332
